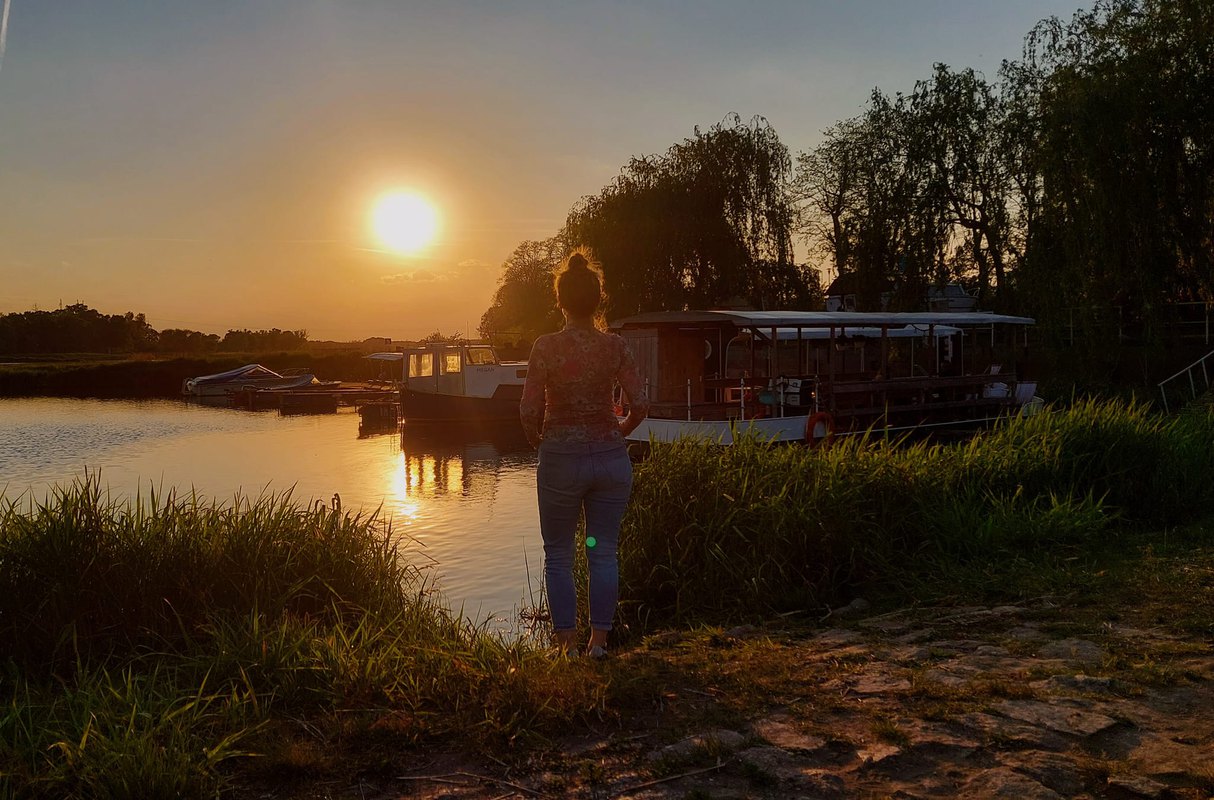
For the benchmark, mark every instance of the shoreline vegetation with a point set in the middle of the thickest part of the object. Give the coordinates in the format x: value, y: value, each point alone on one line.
x: 139, y: 376
x: 168, y: 646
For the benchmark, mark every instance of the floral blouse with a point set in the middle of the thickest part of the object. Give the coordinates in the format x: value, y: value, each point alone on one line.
x: 570, y: 376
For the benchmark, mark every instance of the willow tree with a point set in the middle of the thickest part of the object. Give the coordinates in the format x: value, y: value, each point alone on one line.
x: 1123, y: 146
x: 961, y: 121
x: 524, y: 305
x: 707, y: 222
x: 868, y: 202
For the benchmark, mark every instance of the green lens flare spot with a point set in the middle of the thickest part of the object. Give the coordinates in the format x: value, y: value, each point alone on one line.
x: 591, y: 541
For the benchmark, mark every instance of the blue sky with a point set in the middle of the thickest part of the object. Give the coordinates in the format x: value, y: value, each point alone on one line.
x: 213, y: 164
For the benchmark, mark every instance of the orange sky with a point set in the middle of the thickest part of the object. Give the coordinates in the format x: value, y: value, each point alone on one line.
x: 213, y: 165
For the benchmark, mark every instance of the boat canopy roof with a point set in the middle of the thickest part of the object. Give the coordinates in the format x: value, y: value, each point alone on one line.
x: 821, y: 319
x: 863, y: 332
x: 247, y: 371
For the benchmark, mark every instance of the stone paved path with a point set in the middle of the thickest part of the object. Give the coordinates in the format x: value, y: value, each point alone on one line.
x: 959, y: 703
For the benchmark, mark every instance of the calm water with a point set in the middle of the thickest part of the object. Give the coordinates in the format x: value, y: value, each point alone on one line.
x: 467, y: 504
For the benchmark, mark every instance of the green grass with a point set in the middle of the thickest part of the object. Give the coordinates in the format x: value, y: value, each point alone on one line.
x: 149, y: 644
x: 717, y: 533
x: 168, y: 646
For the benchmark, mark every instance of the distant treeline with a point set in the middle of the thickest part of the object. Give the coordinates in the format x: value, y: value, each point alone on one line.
x: 80, y: 329
x: 1077, y: 182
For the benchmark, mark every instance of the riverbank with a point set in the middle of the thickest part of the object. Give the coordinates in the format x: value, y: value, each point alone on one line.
x: 1100, y: 687
x: 274, y: 647
x: 147, y: 376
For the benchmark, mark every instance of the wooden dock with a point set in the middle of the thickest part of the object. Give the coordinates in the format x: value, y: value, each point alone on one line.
x: 321, y: 400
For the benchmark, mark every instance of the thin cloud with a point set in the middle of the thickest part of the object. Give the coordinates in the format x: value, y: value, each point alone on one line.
x: 417, y: 276
x: 8, y: 4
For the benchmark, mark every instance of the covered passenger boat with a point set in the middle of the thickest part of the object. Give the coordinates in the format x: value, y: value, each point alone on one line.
x: 810, y: 375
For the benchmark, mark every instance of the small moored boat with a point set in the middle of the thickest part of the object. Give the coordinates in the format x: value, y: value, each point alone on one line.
x: 250, y: 376
x: 459, y: 383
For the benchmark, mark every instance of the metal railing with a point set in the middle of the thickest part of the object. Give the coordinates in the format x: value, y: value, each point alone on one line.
x: 1191, y: 372
x: 1191, y: 320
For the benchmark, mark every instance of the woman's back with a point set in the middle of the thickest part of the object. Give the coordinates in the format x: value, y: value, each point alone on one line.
x: 569, y: 379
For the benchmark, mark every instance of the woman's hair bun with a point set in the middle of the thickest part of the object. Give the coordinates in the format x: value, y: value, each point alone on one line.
x: 578, y: 261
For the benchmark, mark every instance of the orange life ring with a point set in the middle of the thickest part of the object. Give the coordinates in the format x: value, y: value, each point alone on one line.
x: 819, y: 429
x: 753, y: 405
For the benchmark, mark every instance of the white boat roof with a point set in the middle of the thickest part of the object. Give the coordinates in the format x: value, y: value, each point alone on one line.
x: 247, y: 371
x: 821, y: 319
x: 865, y: 332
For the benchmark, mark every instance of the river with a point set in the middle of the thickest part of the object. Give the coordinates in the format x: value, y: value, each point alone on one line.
x: 464, y: 504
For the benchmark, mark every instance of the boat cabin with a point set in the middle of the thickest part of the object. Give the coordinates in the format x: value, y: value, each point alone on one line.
x: 883, y: 370
x: 464, y: 370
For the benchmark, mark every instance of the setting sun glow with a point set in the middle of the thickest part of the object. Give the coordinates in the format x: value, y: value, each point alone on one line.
x: 405, y: 221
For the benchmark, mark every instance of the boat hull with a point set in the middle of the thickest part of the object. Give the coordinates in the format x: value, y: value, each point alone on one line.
x: 794, y: 428
x: 775, y: 429
x: 224, y: 389
x: 426, y: 407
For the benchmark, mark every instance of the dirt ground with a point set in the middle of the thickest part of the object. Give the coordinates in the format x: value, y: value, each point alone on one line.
x: 1024, y: 701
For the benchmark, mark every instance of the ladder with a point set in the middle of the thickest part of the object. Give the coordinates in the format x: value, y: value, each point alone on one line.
x: 1198, y: 380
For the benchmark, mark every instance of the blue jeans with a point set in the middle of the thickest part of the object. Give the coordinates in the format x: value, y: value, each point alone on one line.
x: 595, y: 477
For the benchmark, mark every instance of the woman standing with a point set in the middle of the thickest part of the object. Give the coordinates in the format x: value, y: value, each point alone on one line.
x: 583, y: 464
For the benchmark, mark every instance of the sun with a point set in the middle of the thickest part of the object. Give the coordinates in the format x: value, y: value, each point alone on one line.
x: 405, y: 221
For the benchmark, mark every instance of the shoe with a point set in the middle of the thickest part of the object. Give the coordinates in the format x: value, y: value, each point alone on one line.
x: 598, y: 653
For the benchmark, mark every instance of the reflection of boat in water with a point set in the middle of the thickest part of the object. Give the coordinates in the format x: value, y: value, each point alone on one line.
x: 459, y: 460
x: 250, y: 376
x: 378, y: 417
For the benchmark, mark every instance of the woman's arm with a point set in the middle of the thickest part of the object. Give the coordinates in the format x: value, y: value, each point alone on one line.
x: 630, y: 380
x: 531, y: 407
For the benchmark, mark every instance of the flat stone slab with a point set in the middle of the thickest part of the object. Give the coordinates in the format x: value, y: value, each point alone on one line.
x: 1138, y: 786
x: 1159, y: 757
x: 1003, y: 782
x: 1086, y: 684
x: 782, y: 733
x: 876, y: 752
x: 947, y: 678
x: 1077, y: 650
x: 1053, y: 771
x: 1026, y: 633
x: 1005, y: 731
x: 796, y: 779
x: 838, y: 637
x: 1063, y: 719
x: 879, y: 684
x: 923, y: 760
x: 955, y: 646
x: 725, y: 739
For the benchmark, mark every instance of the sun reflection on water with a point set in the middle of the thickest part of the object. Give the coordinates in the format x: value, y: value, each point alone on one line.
x: 468, y: 502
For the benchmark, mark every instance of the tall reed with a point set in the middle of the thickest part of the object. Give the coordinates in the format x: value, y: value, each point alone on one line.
x: 756, y: 527
x: 147, y: 643
x: 81, y: 574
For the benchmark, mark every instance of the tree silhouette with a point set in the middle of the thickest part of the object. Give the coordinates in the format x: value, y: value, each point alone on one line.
x: 706, y: 222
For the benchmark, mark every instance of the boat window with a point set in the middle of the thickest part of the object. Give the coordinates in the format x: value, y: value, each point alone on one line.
x: 738, y: 361
x: 481, y: 356
x: 451, y: 363
x: 421, y: 365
